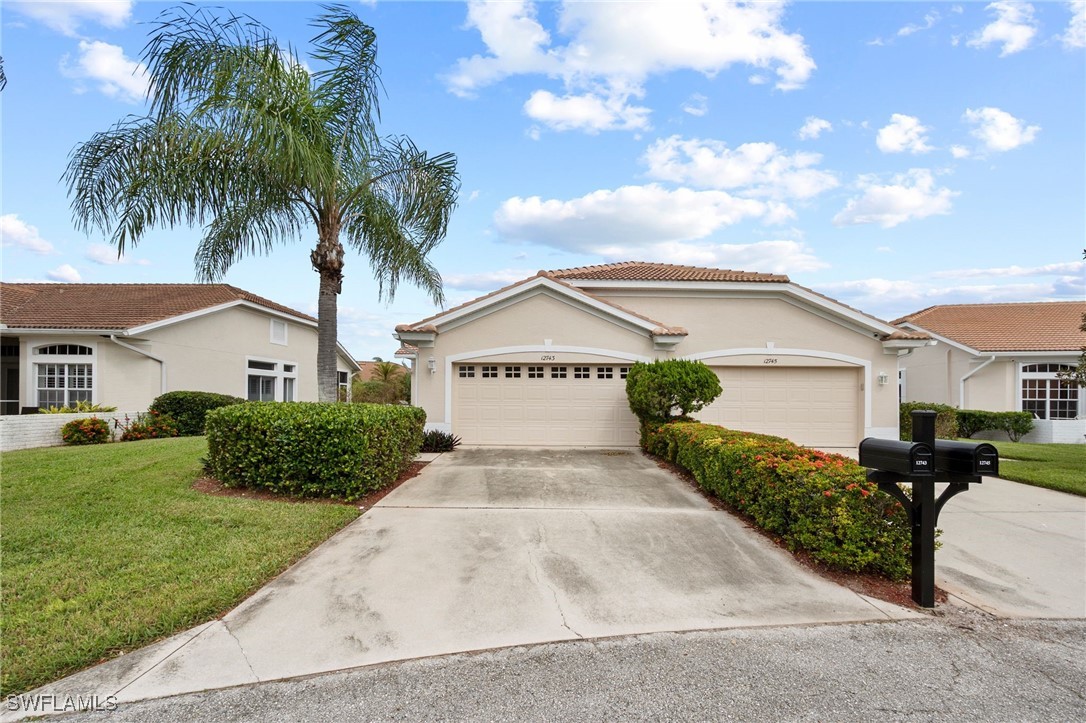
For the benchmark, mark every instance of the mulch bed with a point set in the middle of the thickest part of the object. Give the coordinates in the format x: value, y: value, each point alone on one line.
x: 214, y: 487
x: 872, y: 585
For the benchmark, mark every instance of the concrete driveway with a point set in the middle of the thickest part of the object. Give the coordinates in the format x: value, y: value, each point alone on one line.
x: 491, y: 548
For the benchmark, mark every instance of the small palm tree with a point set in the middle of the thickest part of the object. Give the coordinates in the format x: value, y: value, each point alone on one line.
x: 244, y: 140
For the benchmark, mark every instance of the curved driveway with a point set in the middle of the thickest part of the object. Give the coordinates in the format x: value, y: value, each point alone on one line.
x: 490, y: 548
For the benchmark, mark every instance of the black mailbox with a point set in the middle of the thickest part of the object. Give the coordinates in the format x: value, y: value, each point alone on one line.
x: 971, y: 458
x: 907, y: 458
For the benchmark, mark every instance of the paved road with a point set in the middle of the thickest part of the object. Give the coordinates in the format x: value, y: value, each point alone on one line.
x: 960, y: 666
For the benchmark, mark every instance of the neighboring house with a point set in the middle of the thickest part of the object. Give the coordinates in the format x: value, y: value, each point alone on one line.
x: 125, y: 344
x: 1002, y: 357
x: 543, y: 361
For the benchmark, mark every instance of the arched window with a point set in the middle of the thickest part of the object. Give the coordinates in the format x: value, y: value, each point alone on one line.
x: 66, y: 377
x: 1047, y: 396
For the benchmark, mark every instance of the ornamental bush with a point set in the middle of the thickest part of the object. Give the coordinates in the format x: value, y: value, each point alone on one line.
x: 1015, y: 424
x: 437, y: 441
x: 821, y: 503
x: 78, y: 407
x: 312, y: 449
x: 946, y: 419
x: 85, y: 431
x: 190, y: 408
x: 656, y: 391
x: 152, y: 425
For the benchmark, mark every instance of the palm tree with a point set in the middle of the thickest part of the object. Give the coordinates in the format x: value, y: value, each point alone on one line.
x: 243, y: 139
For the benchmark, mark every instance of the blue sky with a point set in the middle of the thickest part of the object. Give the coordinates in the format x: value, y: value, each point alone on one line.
x: 891, y: 155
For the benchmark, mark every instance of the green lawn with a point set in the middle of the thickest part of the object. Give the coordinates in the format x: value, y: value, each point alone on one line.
x: 1055, y: 466
x: 106, y: 548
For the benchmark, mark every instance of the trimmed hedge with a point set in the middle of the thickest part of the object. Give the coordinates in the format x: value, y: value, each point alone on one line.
x: 1015, y: 424
x: 655, y: 390
x: 312, y: 449
x: 946, y: 419
x: 821, y: 503
x: 188, y: 409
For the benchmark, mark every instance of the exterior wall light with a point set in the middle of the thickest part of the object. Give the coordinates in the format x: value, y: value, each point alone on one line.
x: 883, y: 378
x: 431, y: 364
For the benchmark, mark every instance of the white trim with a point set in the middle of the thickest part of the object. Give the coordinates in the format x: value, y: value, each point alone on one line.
x: 753, y: 288
x: 811, y: 353
x: 278, y: 373
x: 525, y: 349
x: 143, y: 328
x: 602, y: 308
x: 162, y: 362
x: 30, y: 385
x: 272, y: 329
x: 946, y: 340
x: 965, y: 378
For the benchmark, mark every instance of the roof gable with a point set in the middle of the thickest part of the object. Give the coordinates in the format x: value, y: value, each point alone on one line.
x: 647, y: 271
x: 119, y: 306
x: 1033, y: 326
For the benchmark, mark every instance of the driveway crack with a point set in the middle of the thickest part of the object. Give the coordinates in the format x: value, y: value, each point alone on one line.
x: 241, y: 650
x: 539, y: 578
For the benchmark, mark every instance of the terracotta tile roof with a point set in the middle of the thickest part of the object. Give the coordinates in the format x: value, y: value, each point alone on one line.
x: 645, y: 271
x: 907, y: 335
x: 1036, y: 326
x: 407, y: 351
x: 115, y: 306
x: 425, y: 325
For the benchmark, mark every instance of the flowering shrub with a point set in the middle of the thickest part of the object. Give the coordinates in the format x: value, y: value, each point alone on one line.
x: 818, y: 502
x: 151, y: 425
x: 85, y: 431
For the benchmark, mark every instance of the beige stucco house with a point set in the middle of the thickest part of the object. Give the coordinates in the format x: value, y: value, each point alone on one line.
x: 125, y: 344
x: 543, y: 361
x: 1002, y: 357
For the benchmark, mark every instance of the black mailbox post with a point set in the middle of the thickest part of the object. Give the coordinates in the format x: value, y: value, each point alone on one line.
x: 924, y: 462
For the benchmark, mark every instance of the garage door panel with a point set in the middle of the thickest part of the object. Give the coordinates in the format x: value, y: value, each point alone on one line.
x: 545, y: 411
x: 815, y: 406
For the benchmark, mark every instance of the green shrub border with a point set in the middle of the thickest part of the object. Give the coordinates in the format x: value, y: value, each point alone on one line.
x: 817, y: 502
x: 951, y: 422
x: 311, y: 449
x: 188, y: 409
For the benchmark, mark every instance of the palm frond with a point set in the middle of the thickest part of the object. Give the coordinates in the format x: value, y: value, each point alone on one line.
x: 245, y: 230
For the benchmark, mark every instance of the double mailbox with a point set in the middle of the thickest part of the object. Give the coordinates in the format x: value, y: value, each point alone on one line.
x: 919, y: 459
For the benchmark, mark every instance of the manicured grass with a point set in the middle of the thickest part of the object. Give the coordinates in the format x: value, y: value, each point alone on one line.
x: 107, y: 548
x: 1055, y: 466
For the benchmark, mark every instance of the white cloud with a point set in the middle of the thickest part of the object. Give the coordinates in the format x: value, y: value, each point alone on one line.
x: 588, y: 112
x: 775, y: 257
x: 696, y: 105
x: 904, y: 133
x: 1075, y: 35
x: 633, y: 216
x: 486, y: 280
x: 753, y: 169
x: 64, y: 272
x: 1067, y: 268
x: 473, y: 195
x: 813, y: 128
x: 14, y: 232
x: 998, y: 130
x: 609, y: 53
x: 930, y: 18
x: 910, y: 196
x: 65, y: 16
x: 1014, y: 28
x: 106, y: 255
x: 116, y: 75
x: 960, y: 152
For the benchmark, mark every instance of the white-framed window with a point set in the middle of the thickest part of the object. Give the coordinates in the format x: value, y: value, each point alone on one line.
x: 63, y: 374
x: 558, y: 372
x: 900, y: 385
x: 605, y: 372
x: 582, y: 372
x: 1045, y: 395
x: 623, y: 372
x: 490, y: 372
x: 512, y: 372
x: 279, y: 332
x: 343, y: 387
x: 467, y: 371
x: 535, y: 372
x: 270, y: 380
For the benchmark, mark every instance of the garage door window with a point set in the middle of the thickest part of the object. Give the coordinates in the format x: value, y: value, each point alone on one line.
x: 512, y: 372
x: 623, y: 372
x: 490, y: 372
x: 582, y: 373
x: 467, y: 372
x: 535, y: 372
x: 605, y: 372
x: 558, y: 372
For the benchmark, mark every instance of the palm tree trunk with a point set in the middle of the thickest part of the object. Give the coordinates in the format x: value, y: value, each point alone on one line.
x: 327, y: 260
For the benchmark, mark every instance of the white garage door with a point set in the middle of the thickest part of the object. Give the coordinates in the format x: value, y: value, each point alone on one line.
x: 542, y: 405
x: 812, y: 406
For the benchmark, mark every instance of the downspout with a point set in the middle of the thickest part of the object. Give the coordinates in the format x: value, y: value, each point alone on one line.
x: 961, y: 382
x: 113, y: 338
